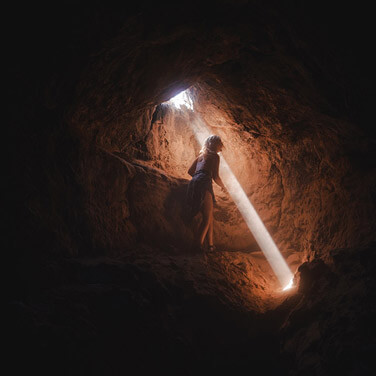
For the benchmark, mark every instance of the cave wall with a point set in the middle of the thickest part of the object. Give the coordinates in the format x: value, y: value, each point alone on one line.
x: 128, y: 203
x: 309, y: 170
x: 94, y: 206
x: 300, y: 173
x: 329, y: 330
x: 297, y: 166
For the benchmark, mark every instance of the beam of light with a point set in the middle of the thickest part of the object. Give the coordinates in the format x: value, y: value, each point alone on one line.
x: 256, y: 225
x: 182, y: 99
x: 248, y: 212
x: 289, y: 285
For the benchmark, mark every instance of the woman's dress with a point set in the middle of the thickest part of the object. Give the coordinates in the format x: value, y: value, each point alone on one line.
x: 200, y: 184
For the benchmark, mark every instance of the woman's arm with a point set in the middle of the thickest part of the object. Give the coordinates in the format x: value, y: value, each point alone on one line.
x: 192, y: 169
x: 216, y: 177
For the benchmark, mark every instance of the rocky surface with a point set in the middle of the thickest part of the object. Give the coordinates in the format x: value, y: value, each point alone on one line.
x: 331, y: 329
x: 291, y: 149
x: 176, y: 314
x: 103, y: 280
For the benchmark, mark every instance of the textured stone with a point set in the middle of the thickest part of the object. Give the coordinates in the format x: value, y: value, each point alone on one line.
x: 103, y: 280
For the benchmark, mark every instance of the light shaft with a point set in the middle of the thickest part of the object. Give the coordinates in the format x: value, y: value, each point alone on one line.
x: 235, y: 190
x: 248, y: 212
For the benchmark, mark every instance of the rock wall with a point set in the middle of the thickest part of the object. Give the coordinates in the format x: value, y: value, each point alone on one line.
x: 98, y: 176
x: 330, y: 329
x: 300, y: 162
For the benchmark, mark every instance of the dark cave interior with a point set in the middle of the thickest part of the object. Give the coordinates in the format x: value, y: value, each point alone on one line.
x: 102, y: 278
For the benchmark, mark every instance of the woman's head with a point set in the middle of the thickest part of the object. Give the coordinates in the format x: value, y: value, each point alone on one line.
x: 213, y: 144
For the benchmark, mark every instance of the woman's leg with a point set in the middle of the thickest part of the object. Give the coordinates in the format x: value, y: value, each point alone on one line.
x: 207, y: 217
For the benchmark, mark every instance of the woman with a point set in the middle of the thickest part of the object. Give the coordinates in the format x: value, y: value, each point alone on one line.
x: 200, y: 195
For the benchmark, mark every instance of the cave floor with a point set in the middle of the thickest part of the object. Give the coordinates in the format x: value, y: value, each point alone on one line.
x: 176, y: 313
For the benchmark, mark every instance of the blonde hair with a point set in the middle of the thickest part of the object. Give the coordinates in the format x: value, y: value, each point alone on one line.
x: 210, y: 144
